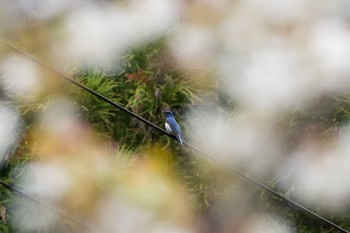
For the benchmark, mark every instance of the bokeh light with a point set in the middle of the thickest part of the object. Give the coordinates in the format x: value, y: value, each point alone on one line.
x: 260, y: 86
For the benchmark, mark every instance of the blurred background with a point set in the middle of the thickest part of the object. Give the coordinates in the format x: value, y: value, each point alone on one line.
x: 260, y: 86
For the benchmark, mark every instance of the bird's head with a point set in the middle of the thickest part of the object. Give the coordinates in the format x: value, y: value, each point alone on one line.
x: 168, y: 113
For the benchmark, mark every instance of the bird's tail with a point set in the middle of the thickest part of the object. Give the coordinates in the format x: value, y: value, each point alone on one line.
x: 180, y: 140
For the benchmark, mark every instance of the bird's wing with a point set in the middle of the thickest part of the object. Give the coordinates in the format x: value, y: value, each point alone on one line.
x: 174, y: 125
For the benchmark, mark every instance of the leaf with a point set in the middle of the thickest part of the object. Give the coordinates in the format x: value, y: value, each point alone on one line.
x: 3, y: 214
x: 138, y: 76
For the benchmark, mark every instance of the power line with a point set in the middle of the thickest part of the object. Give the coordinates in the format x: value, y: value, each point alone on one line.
x: 87, y: 89
x: 216, y: 161
x: 268, y: 189
x: 50, y: 207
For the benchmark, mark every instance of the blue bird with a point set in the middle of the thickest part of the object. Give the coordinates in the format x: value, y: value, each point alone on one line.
x: 172, y: 126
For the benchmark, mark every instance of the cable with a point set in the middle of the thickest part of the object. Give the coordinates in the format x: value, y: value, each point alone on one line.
x: 266, y: 188
x: 58, y: 211
x: 87, y: 89
x: 232, y: 170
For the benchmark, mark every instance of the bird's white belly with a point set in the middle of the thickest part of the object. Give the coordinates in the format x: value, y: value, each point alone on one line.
x: 168, y: 128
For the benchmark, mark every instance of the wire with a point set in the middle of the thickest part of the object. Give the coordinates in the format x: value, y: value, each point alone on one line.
x: 218, y: 162
x: 87, y: 89
x: 266, y: 188
x: 58, y: 211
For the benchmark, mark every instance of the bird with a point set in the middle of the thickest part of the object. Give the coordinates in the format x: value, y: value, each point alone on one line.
x: 172, y: 126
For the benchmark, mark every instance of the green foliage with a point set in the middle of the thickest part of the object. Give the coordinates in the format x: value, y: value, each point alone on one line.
x: 145, y: 85
x: 99, y: 113
x: 341, y: 114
